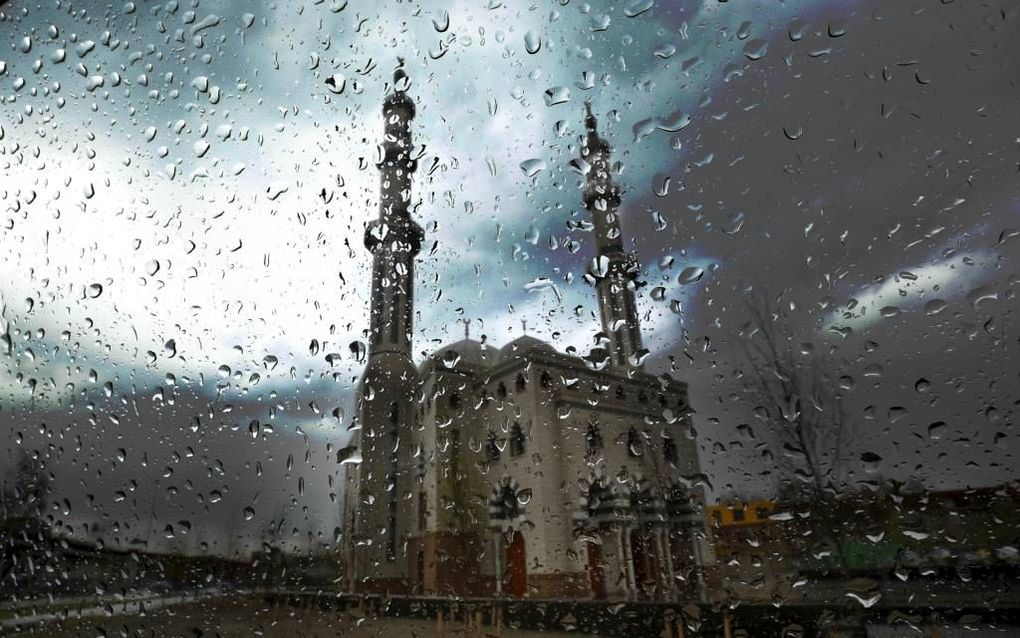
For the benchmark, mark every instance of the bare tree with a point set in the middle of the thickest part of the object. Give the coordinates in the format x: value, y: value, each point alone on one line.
x: 795, y: 389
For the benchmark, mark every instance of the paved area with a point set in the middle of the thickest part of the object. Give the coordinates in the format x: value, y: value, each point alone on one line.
x: 236, y: 618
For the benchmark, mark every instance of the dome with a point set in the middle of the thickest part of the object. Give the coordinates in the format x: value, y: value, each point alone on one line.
x: 464, y: 351
x: 522, y: 345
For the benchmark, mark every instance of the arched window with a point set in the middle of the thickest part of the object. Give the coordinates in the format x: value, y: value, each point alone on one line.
x: 492, y: 447
x: 621, y: 394
x: 593, y: 439
x: 501, y: 390
x: 669, y: 451
x: 516, y: 439
x: 455, y: 401
x: 599, y: 501
x: 521, y: 382
x: 421, y: 468
x: 546, y: 379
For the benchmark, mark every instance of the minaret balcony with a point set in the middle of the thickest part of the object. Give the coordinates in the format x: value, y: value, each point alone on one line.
x: 399, y: 233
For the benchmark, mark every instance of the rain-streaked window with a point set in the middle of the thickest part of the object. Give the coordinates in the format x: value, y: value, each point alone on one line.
x: 638, y: 318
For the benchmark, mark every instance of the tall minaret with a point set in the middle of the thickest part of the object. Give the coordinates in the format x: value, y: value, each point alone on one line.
x: 382, y: 515
x: 613, y: 268
x: 394, y: 239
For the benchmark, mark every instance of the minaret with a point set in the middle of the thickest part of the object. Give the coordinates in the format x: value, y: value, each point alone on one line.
x: 390, y: 386
x: 613, y: 268
x: 394, y: 239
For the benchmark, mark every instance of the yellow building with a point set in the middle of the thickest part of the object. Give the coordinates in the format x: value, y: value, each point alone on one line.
x: 755, y: 512
x: 751, y: 548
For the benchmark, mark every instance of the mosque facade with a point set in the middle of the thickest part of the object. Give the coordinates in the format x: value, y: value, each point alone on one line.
x: 518, y: 471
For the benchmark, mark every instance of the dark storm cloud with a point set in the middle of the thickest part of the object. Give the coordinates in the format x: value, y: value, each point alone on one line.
x: 878, y: 167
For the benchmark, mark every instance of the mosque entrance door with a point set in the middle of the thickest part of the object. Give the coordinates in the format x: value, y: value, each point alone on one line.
x: 516, y: 567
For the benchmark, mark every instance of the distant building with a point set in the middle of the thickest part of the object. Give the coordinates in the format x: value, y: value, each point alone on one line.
x: 517, y: 471
x: 752, y: 550
x: 766, y: 550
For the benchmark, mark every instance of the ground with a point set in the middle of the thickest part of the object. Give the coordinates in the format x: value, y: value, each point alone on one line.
x: 230, y: 618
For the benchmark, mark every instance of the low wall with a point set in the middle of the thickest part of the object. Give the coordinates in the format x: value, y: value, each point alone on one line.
x: 634, y: 619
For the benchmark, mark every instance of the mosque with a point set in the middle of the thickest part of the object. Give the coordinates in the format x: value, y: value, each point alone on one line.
x: 517, y: 471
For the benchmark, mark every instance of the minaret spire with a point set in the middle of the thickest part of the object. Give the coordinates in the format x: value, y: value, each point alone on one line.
x: 394, y: 238
x: 613, y: 269
x: 390, y: 388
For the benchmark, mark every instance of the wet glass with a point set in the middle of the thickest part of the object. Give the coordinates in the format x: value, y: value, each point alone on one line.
x: 649, y: 318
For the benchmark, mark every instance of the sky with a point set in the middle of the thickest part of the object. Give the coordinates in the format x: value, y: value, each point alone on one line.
x: 184, y: 199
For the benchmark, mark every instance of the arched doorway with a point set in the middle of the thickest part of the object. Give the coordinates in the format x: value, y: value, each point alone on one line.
x: 516, y: 567
x: 640, y: 556
x: 595, y: 578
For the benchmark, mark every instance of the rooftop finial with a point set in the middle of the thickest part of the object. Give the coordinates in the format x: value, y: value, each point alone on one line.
x: 399, y: 75
x: 589, y: 117
x: 467, y: 327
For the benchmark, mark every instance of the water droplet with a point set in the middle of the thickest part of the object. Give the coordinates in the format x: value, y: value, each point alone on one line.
x: 600, y: 22
x: 450, y: 359
x: 796, y: 29
x: 872, y: 462
x: 637, y: 7
x: 349, y: 456
x: 336, y: 83
x: 937, y: 430
x: 359, y: 351
x: 664, y: 51
x: 756, y: 49
x: 934, y: 307
x: 557, y: 95
x: 866, y: 600
x: 579, y: 166
x: 638, y: 358
x: 981, y: 295
x: 690, y: 275
x: 532, y: 41
x: 661, y: 185
x: 441, y: 22
x: 533, y: 167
